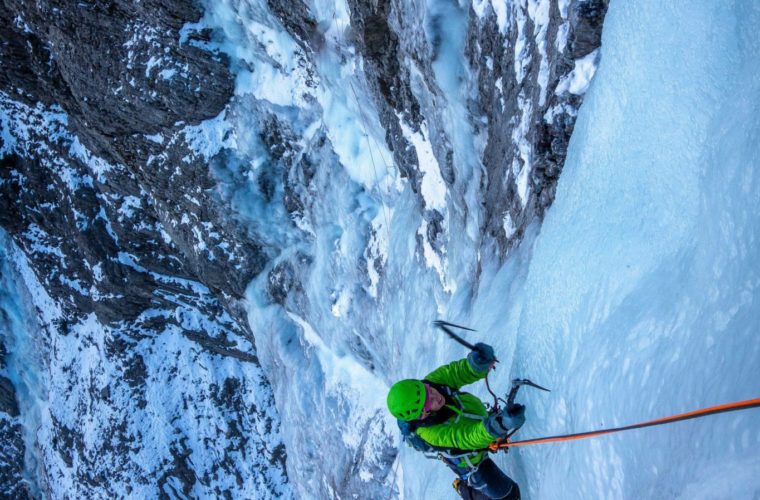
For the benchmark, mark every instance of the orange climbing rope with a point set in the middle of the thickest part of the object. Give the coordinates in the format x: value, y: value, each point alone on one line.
x: 703, y: 412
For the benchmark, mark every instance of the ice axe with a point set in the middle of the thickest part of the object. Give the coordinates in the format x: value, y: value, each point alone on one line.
x: 511, y: 405
x: 516, y: 384
x: 446, y: 327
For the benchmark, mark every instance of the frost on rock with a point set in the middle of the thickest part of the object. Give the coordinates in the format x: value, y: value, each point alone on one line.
x: 378, y: 248
x: 578, y: 80
x: 533, y: 48
x: 146, y: 378
x: 433, y: 186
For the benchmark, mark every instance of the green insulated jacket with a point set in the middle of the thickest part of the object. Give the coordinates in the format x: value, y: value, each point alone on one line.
x: 464, y: 430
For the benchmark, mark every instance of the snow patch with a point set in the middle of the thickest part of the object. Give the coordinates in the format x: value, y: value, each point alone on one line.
x: 578, y: 80
x: 341, y: 304
x: 167, y: 74
x: 19, y: 126
x: 479, y: 7
x: 502, y: 14
x: 157, y: 138
x: 377, y: 249
x: 562, y: 33
x: 522, y: 55
x: 509, y: 226
x: 538, y: 10
x: 563, y: 6
x: 522, y: 167
x: 211, y: 136
x: 433, y: 186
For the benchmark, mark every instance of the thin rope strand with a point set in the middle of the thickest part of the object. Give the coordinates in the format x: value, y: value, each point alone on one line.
x: 393, y: 482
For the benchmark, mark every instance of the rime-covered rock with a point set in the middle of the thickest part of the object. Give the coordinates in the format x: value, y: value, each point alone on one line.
x: 117, y: 220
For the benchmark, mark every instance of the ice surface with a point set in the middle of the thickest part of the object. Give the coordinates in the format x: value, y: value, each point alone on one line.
x: 638, y: 299
x: 20, y: 336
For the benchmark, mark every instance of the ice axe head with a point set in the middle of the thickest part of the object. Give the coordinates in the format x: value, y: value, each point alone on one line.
x: 446, y: 327
x: 524, y: 381
x: 516, y: 384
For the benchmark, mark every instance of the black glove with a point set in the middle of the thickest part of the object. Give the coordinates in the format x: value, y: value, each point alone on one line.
x: 516, y: 409
x: 499, y: 424
x: 482, y: 357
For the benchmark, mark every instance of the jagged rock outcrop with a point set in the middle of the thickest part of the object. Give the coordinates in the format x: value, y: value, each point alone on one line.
x: 521, y: 60
x: 529, y: 100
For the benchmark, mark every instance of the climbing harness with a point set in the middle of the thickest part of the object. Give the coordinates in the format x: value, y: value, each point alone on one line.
x: 453, y: 457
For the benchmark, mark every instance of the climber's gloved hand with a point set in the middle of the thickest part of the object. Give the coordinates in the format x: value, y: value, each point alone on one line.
x: 516, y: 409
x: 482, y: 357
x: 500, y: 423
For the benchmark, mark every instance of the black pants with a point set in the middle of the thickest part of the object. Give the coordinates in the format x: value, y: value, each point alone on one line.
x: 488, y: 482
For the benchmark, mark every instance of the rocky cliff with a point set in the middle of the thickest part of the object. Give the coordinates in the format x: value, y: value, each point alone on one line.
x: 143, y: 350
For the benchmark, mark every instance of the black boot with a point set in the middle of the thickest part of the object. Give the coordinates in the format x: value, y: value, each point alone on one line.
x: 491, y: 482
x: 466, y: 491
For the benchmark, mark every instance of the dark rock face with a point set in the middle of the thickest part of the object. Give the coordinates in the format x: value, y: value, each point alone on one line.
x: 100, y: 64
x: 548, y: 139
x: 586, y: 20
x: 118, y: 219
x: 11, y: 460
x: 115, y: 101
x: 12, y: 483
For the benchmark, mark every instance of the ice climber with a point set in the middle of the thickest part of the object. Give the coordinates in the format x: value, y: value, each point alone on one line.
x: 436, y: 417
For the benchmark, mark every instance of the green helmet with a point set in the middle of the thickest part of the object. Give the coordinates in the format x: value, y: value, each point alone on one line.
x: 406, y: 399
